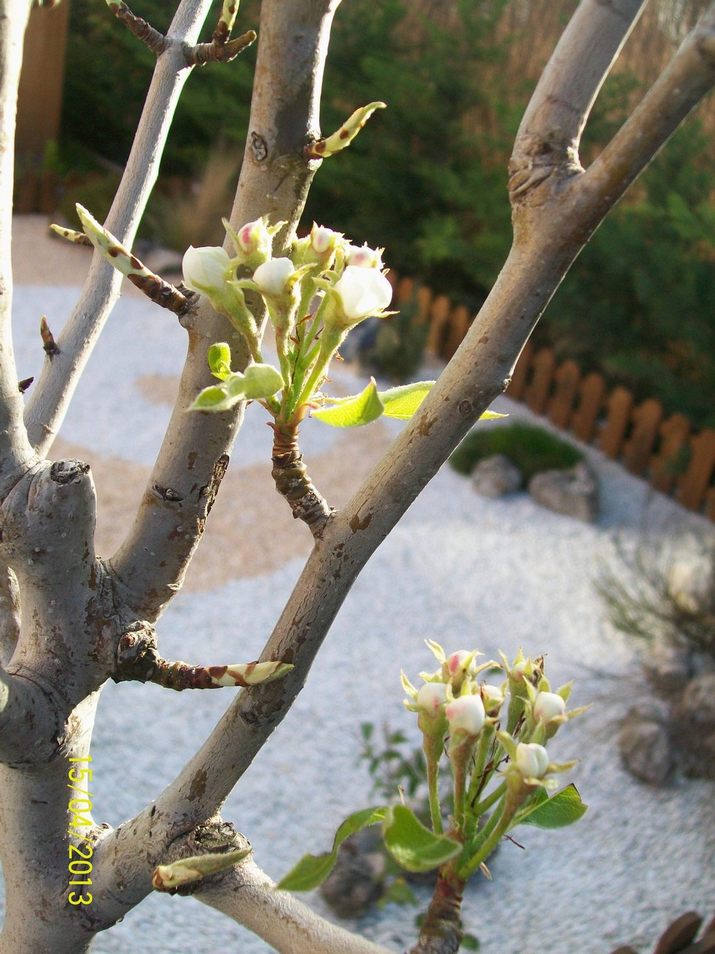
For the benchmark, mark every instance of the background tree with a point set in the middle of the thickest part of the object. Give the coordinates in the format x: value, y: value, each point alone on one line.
x: 76, y: 619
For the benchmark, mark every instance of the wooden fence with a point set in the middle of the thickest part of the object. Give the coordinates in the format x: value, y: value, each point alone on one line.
x: 665, y: 451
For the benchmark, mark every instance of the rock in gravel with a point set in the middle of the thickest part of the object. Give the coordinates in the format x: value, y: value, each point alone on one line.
x: 667, y: 668
x: 357, y: 879
x: 646, y: 750
x: 572, y: 492
x: 496, y: 476
x: 697, y: 706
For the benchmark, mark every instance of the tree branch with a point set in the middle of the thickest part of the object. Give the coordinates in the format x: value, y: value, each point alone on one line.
x: 247, y: 894
x: 550, y: 131
x: 29, y: 722
x: 15, y: 449
x: 274, y: 181
x: 687, y: 79
x: 53, y: 392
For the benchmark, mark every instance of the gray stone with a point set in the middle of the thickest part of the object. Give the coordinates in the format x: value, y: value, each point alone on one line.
x: 496, y: 476
x: 572, y: 492
x: 697, y: 706
x: 646, y: 750
x: 667, y: 668
x: 356, y: 881
x: 691, y: 576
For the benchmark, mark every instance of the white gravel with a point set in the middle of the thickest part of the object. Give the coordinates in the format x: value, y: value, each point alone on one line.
x: 461, y: 569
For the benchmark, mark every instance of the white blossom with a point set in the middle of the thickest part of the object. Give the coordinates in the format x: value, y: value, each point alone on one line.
x: 323, y: 239
x: 364, y: 257
x: 271, y: 276
x: 363, y: 292
x: 431, y: 696
x: 205, y: 269
x: 548, y: 706
x: 532, y: 759
x: 466, y: 714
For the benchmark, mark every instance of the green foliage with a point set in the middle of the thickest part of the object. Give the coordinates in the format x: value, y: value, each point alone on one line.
x: 531, y: 449
x: 312, y: 870
x: 639, y: 304
x: 395, y: 765
x: 414, y: 847
x: 562, y: 809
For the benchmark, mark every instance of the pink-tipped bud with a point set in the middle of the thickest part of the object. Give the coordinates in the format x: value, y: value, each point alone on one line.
x: 364, y: 257
x: 465, y: 714
x: 322, y: 239
x: 431, y: 697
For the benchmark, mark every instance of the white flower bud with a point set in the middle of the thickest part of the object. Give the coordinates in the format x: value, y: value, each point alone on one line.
x: 493, y: 697
x: 271, y: 276
x: 364, y: 257
x: 363, y: 292
x: 431, y: 697
x: 548, y: 706
x: 323, y: 239
x: 465, y: 714
x: 255, y: 237
x: 532, y: 759
x: 205, y: 269
x: 456, y: 661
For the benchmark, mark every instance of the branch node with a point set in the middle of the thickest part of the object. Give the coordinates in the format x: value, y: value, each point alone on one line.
x: 219, y: 51
x: 294, y: 483
x: 49, y: 344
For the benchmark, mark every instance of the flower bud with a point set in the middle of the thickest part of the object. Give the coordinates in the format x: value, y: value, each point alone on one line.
x: 322, y: 239
x: 465, y: 714
x: 205, y: 270
x: 532, y: 759
x: 431, y: 696
x: 492, y: 697
x: 255, y: 238
x: 362, y: 292
x: 364, y: 257
x: 272, y: 276
x: 548, y: 706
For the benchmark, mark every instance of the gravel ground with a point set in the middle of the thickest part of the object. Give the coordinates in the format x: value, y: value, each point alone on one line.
x: 461, y: 569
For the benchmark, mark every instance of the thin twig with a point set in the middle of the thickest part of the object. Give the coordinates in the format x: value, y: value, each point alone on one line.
x: 294, y: 483
x: 216, y: 52
x: 154, y: 39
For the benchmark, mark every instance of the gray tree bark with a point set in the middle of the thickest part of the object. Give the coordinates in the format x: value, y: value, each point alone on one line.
x: 72, y: 620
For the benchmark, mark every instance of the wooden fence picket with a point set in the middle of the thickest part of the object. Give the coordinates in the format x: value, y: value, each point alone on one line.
x: 637, y: 450
x: 558, y: 409
x: 592, y: 391
x: 521, y: 372
x: 424, y: 303
x: 439, y: 316
x: 537, y: 393
x: 673, y: 455
x: 619, y: 405
x: 693, y: 485
x: 459, y: 321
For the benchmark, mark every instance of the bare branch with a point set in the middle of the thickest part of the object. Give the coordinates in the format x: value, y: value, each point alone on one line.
x: 275, y: 178
x: 248, y: 895
x: 15, y: 449
x: 142, y: 30
x: 550, y: 131
x: 688, y: 78
x: 53, y: 392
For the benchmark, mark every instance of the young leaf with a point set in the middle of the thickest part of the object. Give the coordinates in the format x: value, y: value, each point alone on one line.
x: 219, y: 359
x: 413, y: 846
x: 354, y: 411
x: 312, y: 870
x: 402, y: 402
x: 262, y: 381
x: 214, y: 398
x: 563, y: 808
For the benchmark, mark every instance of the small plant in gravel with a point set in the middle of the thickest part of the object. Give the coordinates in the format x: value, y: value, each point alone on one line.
x: 490, y: 739
x: 531, y: 449
x: 663, y: 594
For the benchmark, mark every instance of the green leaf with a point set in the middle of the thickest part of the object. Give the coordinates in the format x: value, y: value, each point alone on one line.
x: 491, y: 416
x: 219, y: 359
x: 562, y: 809
x: 353, y: 411
x: 402, y: 402
x: 262, y: 381
x: 214, y: 398
x: 312, y: 870
x: 470, y: 942
x: 413, y: 846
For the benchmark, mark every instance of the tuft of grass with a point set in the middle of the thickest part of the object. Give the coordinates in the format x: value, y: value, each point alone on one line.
x: 531, y: 449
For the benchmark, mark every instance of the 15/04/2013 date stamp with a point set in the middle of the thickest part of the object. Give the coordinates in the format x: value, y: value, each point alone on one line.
x: 79, y: 808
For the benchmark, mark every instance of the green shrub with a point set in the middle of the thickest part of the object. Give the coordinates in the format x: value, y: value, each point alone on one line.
x: 531, y: 449
x: 398, y: 347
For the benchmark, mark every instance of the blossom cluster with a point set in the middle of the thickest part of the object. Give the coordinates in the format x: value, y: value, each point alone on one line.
x: 314, y: 295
